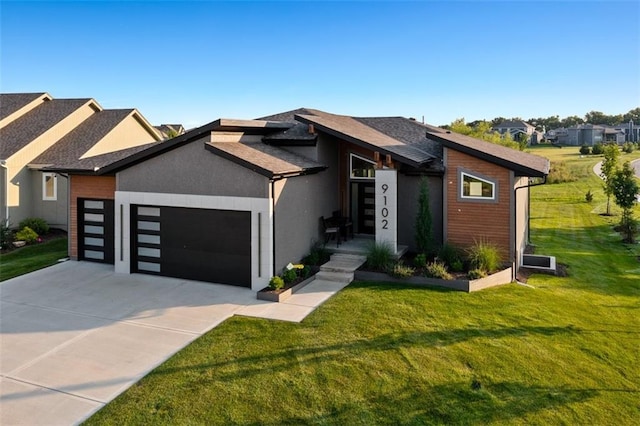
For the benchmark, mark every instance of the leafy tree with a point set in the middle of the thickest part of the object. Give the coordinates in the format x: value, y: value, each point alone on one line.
x: 571, y: 121
x: 625, y: 189
x: 424, y: 221
x: 633, y: 114
x: 608, y: 171
x: 482, y: 130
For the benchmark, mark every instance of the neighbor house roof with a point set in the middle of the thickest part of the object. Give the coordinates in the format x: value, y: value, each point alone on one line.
x: 522, y: 163
x: 96, y: 164
x: 267, y: 160
x: 514, y: 123
x: 13, y: 102
x: 22, y: 131
x: 75, y: 143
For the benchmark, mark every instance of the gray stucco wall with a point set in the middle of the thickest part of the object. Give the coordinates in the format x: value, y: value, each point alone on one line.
x: 408, y: 192
x: 299, y: 204
x: 24, y: 208
x: 191, y: 169
x: 54, y: 212
x: 3, y: 194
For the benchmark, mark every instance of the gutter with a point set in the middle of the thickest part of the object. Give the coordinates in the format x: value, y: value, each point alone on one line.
x: 515, y: 220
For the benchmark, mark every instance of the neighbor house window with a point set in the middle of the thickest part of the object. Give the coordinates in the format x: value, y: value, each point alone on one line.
x: 476, y: 188
x: 361, y: 168
x: 49, y: 186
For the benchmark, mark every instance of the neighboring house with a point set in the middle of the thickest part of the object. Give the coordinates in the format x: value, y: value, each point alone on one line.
x: 170, y: 130
x: 588, y: 134
x: 516, y: 128
x: 37, y: 131
x: 234, y: 201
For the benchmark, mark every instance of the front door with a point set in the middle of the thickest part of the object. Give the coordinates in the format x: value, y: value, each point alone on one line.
x: 363, y: 200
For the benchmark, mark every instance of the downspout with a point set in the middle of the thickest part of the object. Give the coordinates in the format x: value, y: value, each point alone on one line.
x: 273, y: 225
x: 515, y: 221
x: 3, y: 163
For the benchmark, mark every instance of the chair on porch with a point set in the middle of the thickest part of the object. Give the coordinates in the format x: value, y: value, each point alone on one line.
x: 330, y: 231
x: 344, y: 223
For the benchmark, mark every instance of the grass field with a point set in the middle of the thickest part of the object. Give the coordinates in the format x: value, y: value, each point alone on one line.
x: 31, y: 258
x: 559, y: 351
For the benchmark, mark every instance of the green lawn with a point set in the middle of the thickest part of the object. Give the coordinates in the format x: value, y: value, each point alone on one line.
x: 563, y: 351
x: 31, y: 258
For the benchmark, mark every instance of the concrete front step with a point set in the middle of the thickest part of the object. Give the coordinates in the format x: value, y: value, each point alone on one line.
x: 342, y: 277
x: 343, y: 263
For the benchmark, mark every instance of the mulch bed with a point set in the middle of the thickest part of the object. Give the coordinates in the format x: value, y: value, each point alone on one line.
x: 54, y: 233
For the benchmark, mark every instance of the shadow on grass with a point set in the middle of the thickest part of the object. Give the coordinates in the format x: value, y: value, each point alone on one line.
x: 455, y: 403
x: 283, y: 360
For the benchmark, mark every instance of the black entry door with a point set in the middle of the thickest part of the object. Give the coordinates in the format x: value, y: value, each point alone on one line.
x: 364, y: 203
x: 96, y: 230
x: 197, y: 244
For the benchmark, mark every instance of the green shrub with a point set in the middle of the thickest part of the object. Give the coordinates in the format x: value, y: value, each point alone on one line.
x: 305, y: 272
x: 27, y: 234
x: 485, y: 256
x: 628, y: 147
x: 400, y: 270
x: 289, y: 275
x: 588, y: 196
x: 561, y: 173
x: 437, y: 269
x: 39, y: 226
x: 420, y: 261
x: 598, y: 149
x: 6, y: 235
x: 317, y: 255
x: 585, y: 150
x: 276, y: 283
x: 457, y: 266
x: 379, y: 256
x: 450, y: 254
x: 475, y: 274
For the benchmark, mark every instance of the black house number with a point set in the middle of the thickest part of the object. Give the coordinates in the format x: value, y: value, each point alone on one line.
x: 385, y: 211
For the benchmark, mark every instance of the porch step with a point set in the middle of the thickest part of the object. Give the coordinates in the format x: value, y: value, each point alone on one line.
x: 343, y: 263
x: 341, y: 277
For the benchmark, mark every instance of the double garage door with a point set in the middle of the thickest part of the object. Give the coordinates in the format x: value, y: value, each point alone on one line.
x: 196, y: 244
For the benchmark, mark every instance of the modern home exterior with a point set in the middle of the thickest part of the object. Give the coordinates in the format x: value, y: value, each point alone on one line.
x: 37, y: 131
x: 516, y: 128
x: 234, y: 201
x: 591, y: 134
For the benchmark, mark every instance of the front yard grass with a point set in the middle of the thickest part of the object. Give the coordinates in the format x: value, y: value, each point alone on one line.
x: 563, y: 351
x: 31, y: 258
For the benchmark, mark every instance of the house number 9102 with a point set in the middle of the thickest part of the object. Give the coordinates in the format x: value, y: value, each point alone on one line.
x: 384, y: 212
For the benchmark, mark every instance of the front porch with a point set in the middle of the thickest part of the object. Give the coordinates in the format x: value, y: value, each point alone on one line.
x: 359, y: 245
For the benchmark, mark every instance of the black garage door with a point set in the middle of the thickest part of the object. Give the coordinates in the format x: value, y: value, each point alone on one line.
x: 196, y: 244
x: 95, y: 230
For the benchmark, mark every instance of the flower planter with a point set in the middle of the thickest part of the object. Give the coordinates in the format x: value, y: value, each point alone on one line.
x: 499, y: 278
x: 282, y: 294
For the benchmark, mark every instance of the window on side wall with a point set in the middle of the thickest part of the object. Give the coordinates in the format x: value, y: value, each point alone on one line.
x: 474, y: 187
x: 49, y: 187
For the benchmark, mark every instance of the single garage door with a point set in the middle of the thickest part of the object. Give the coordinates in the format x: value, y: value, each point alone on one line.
x: 196, y: 244
x: 95, y: 230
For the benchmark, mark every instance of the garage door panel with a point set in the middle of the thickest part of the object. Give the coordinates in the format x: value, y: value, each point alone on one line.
x: 197, y: 244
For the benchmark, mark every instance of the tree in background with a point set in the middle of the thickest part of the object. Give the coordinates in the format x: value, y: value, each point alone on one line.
x: 482, y: 130
x: 625, y: 189
x: 424, y: 222
x: 608, y: 171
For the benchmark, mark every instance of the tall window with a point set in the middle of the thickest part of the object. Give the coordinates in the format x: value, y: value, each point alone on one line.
x: 476, y: 188
x: 49, y: 187
x: 361, y: 168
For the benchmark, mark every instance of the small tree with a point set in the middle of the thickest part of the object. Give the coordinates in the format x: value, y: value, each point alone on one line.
x: 625, y: 189
x: 424, y: 222
x: 608, y: 170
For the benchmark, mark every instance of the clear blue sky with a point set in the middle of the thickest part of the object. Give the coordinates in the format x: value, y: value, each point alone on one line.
x: 194, y: 62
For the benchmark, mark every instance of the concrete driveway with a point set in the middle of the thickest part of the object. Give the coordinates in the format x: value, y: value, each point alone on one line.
x: 75, y: 335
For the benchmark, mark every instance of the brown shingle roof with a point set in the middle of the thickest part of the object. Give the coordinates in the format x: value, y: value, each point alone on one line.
x: 12, y: 102
x: 524, y: 164
x: 83, y: 137
x: 357, y: 132
x: 267, y: 160
x: 93, y: 164
x: 19, y: 133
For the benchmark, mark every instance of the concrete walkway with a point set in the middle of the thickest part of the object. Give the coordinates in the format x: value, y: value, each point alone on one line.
x: 76, y: 335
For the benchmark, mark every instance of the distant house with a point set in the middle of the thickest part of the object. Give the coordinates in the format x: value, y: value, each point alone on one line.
x: 516, y: 128
x: 170, y: 130
x: 587, y: 134
x: 235, y: 201
x: 38, y: 131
